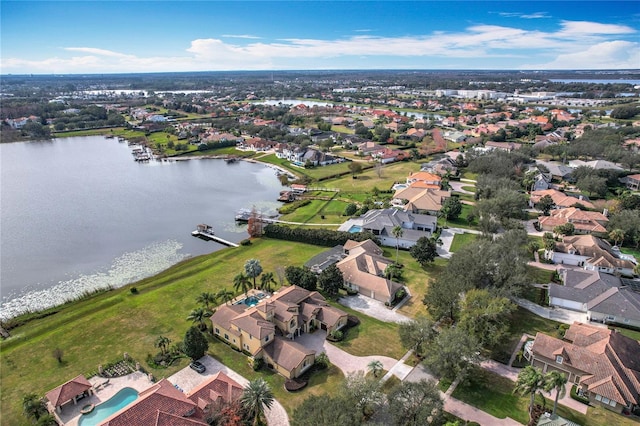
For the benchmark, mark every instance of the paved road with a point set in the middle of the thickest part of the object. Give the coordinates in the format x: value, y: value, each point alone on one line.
x: 457, y: 186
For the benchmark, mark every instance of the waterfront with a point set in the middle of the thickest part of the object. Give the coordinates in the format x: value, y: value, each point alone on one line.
x: 79, y: 214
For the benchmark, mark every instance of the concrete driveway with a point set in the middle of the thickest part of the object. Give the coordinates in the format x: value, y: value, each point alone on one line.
x: 187, y: 379
x: 345, y: 361
x: 373, y: 308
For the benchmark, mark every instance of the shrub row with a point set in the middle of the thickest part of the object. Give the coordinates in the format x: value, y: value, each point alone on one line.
x: 320, y: 237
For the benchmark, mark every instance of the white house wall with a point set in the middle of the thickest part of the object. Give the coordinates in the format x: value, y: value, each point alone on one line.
x: 568, y: 304
x: 568, y: 259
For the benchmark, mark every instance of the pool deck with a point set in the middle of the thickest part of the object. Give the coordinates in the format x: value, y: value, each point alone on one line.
x: 251, y: 293
x: 139, y: 381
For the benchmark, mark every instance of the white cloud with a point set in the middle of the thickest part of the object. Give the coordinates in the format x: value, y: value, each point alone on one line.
x: 245, y: 36
x: 535, y: 15
x: 578, y: 44
x: 608, y: 55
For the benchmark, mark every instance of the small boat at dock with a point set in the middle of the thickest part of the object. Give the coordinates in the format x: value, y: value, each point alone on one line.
x: 203, y: 230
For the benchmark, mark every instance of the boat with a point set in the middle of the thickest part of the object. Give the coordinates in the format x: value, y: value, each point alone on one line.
x: 203, y: 230
x: 243, y: 215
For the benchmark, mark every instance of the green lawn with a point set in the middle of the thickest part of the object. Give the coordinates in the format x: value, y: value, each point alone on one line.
x: 371, y: 337
x: 461, y: 240
x: 102, y: 328
x: 461, y: 221
x: 469, y: 188
x: 390, y: 174
x: 417, y: 279
x: 539, y: 275
x: 494, y: 394
x: 634, y: 252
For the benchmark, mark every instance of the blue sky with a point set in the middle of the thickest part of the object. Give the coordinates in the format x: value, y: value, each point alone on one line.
x: 140, y: 36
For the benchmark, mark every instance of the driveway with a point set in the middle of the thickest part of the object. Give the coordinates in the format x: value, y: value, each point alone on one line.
x: 187, y: 379
x: 457, y: 187
x: 345, y: 361
x: 373, y: 308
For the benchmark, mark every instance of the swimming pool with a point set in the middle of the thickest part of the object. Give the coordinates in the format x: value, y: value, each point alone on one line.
x: 251, y: 301
x: 355, y: 228
x: 112, y: 405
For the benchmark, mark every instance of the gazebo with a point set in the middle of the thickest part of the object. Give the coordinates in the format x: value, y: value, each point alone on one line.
x: 73, y: 390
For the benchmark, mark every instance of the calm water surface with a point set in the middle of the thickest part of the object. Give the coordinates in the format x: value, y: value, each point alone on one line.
x: 80, y: 214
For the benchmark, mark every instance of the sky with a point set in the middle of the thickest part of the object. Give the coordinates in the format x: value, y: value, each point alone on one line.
x: 54, y: 37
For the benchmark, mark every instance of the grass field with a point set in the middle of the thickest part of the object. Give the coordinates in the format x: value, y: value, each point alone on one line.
x: 391, y: 173
x: 101, y: 329
x: 461, y: 240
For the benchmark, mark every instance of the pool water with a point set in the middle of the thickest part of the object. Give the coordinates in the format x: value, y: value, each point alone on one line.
x: 251, y: 301
x: 112, y: 405
x: 355, y: 228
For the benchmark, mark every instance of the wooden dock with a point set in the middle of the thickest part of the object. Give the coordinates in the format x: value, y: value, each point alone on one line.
x: 206, y: 232
x: 222, y: 241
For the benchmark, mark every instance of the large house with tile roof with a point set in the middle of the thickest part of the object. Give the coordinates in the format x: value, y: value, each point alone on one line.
x: 560, y: 199
x: 363, y: 270
x: 592, y: 253
x: 420, y: 200
x: 603, y: 363
x: 584, y: 222
x: 268, y: 329
x: 163, y: 404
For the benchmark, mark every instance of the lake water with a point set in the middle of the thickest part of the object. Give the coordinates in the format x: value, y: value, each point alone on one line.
x: 79, y: 214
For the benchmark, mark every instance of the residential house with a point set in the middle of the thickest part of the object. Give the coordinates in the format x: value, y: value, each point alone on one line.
x: 268, y: 329
x: 592, y: 253
x: 633, y: 182
x: 363, y: 270
x: 440, y: 167
x: 504, y: 146
x: 596, y: 164
x: 424, y: 180
x: 420, y: 200
x: 604, y: 364
x: 558, y: 170
x: 583, y: 221
x: 560, y: 199
x: 388, y: 155
x: 454, y: 136
x: 381, y: 222
x: 164, y: 404
x: 602, y: 297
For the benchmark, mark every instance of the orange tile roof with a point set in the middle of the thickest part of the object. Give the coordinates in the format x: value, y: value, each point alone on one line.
x: 68, y: 391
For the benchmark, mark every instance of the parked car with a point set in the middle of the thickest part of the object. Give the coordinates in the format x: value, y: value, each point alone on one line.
x: 198, y: 366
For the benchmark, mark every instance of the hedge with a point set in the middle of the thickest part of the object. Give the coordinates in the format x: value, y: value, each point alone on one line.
x: 320, y: 237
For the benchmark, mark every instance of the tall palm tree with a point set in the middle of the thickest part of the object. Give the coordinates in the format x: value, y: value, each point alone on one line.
x: 241, y: 283
x: 256, y: 397
x: 225, y: 295
x: 375, y: 367
x: 162, y: 343
x: 397, y: 232
x: 617, y: 235
x: 556, y: 380
x: 33, y: 406
x: 207, y: 299
x: 198, y: 315
x: 266, y: 280
x: 253, y: 269
x: 530, y: 380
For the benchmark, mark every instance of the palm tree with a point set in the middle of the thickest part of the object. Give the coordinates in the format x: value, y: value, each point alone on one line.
x: 375, y: 367
x: 33, y: 406
x: 266, y: 280
x: 397, y: 232
x: 617, y: 235
x: 253, y: 269
x: 198, y: 315
x: 556, y: 380
x: 242, y: 283
x: 162, y: 343
x: 207, y: 299
x: 225, y: 295
x: 256, y: 396
x: 530, y: 380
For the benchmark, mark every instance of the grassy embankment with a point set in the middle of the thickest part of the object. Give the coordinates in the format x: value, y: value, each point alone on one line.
x: 100, y: 329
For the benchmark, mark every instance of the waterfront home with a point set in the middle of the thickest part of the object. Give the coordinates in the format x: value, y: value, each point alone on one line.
x: 602, y: 363
x: 69, y: 392
x: 268, y: 329
x: 420, y: 200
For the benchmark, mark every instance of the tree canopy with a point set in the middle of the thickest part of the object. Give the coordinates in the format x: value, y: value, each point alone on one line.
x: 195, y: 343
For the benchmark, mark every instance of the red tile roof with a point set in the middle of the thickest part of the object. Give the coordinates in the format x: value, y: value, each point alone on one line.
x: 68, y: 391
